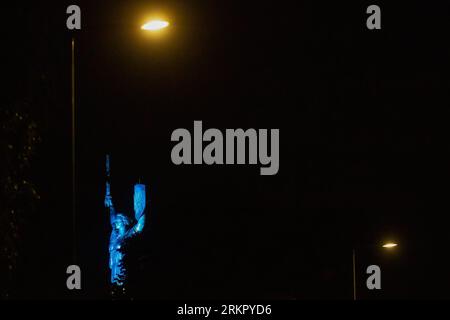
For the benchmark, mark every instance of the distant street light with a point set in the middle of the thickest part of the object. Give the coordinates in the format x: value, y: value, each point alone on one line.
x: 155, y: 25
x: 387, y: 245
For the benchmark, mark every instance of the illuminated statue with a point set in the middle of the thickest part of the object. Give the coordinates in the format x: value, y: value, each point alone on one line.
x: 122, y: 229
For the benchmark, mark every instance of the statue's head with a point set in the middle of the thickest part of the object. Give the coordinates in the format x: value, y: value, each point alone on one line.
x: 120, y: 223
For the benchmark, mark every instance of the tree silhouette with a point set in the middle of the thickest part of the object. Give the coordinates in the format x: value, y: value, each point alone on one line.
x: 19, y: 138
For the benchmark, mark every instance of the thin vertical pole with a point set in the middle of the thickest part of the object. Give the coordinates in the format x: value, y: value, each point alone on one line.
x: 73, y: 154
x: 354, y: 275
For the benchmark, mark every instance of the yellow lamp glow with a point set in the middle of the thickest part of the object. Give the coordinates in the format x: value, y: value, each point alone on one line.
x: 155, y: 25
x: 389, y: 245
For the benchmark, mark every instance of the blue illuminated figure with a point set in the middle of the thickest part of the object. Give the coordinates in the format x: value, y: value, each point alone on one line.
x: 122, y: 229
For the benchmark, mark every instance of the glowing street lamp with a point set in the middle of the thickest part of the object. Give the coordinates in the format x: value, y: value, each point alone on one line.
x: 390, y: 245
x: 387, y: 245
x: 155, y: 25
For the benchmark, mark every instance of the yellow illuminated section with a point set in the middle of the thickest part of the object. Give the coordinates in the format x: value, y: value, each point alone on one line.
x: 155, y: 25
x: 389, y: 245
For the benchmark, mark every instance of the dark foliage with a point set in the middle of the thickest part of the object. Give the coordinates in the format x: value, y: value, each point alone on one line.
x: 19, y: 139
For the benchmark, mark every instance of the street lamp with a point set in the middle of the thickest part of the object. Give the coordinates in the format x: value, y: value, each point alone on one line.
x: 155, y: 25
x: 390, y: 245
x: 387, y: 245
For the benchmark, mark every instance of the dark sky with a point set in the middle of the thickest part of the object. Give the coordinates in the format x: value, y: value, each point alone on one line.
x: 363, y: 149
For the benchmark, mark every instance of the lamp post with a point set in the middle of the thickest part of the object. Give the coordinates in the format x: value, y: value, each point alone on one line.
x: 73, y: 151
x: 354, y: 274
x: 387, y: 245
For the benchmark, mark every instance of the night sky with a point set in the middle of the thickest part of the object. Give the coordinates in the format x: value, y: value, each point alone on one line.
x: 363, y: 146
